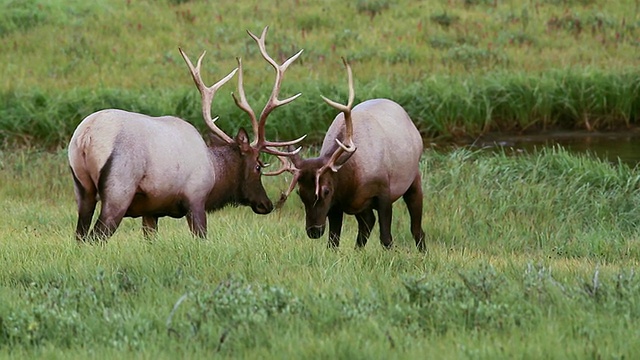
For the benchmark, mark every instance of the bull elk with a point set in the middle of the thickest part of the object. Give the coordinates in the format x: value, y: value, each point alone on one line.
x: 142, y: 166
x: 342, y: 180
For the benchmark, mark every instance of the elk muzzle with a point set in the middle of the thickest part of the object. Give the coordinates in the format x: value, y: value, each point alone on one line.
x: 315, y: 231
x: 262, y: 207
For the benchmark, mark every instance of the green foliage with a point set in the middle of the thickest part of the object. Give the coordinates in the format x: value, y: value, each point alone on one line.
x: 371, y: 7
x: 445, y: 19
x: 63, y: 312
x: 471, y: 57
x: 21, y: 16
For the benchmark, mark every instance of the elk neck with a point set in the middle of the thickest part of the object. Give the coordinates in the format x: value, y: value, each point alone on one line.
x: 227, y: 163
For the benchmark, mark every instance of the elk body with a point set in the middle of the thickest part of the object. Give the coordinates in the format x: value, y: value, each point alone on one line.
x: 142, y: 166
x: 342, y: 180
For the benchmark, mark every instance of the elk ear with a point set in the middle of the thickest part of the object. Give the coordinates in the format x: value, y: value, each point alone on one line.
x: 242, y: 139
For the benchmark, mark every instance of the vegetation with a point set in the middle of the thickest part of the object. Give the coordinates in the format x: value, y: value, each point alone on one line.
x: 529, y: 254
x: 461, y: 68
x: 532, y: 254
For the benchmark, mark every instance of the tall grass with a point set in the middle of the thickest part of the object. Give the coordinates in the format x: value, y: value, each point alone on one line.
x: 530, y: 254
x: 443, y: 108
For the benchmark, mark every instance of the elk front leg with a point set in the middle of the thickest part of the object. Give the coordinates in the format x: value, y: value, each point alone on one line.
x: 197, y: 220
x: 335, y: 227
x: 366, y: 221
x: 385, y: 212
x: 413, y: 199
x: 149, y: 226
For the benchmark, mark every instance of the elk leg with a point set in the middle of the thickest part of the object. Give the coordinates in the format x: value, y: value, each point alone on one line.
x: 149, y: 226
x: 86, y: 201
x: 86, y: 207
x: 413, y: 199
x: 385, y: 213
x: 110, y: 217
x: 116, y: 195
x: 197, y: 220
x: 366, y: 220
x: 335, y: 227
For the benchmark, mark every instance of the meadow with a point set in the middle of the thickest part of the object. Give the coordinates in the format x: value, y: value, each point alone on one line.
x: 529, y: 255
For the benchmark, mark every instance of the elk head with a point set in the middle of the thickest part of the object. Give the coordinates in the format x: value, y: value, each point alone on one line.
x: 316, y: 177
x: 251, y: 191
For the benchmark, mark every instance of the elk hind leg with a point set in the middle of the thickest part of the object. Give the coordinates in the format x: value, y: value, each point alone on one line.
x: 116, y: 194
x: 86, y: 201
x: 413, y: 197
x: 111, y: 214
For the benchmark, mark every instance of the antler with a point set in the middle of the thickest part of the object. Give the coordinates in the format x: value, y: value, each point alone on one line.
x: 287, y: 165
x: 207, y: 93
x: 342, y: 148
x: 258, y: 124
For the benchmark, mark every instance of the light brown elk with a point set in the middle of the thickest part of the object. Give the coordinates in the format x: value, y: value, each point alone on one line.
x: 138, y: 165
x: 342, y: 180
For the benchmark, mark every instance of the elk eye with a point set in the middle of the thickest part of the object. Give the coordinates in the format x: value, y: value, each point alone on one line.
x: 258, y: 168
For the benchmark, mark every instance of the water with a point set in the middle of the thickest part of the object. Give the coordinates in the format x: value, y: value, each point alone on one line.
x: 613, y: 146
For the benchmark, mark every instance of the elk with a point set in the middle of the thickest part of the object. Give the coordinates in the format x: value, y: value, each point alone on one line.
x: 150, y: 167
x: 342, y: 180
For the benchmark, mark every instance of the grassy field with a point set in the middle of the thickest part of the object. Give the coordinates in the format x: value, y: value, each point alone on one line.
x: 65, y: 45
x: 532, y: 256
x: 529, y: 256
x: 461, y: 68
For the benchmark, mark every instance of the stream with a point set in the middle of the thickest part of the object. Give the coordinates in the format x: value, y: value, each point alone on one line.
x: 610, y: 146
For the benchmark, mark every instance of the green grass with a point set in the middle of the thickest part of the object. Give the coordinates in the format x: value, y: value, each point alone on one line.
x: 461, y: 69
x: 531, y: 254
x: 453, y: 109
x: 64, y: 45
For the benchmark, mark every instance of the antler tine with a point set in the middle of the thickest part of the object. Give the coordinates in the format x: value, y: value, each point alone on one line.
x: 292, y: 185
x: 286, y: 165
x: 207, y: 93
x: 350, y: 146
x: 273, y: 101
x: 346, y: 109
x: 242, y: 102
x: 267, y: 148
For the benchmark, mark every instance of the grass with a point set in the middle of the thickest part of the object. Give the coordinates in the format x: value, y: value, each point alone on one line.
x: 461, y: 69
x: 75, y: 44
x: 453, y: 109
x: 529, y: 255
x: 532, y: 254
